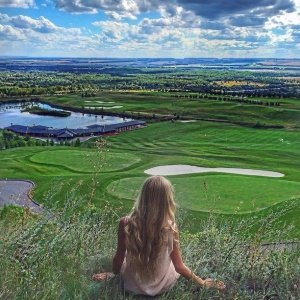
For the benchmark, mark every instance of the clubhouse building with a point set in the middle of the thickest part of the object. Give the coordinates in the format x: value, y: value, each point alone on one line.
x: 68, y: 134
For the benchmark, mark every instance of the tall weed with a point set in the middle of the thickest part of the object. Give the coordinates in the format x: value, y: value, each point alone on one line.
x: 49, y: 257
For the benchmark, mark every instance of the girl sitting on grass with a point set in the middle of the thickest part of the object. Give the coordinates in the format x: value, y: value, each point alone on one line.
x: 148, y: 255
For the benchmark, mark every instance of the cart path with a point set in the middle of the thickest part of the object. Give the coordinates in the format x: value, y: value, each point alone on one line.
x: 17, y: 192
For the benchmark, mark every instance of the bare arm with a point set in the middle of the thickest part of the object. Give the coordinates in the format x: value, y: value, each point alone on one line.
x: 121, y: 249
x: 184, y: 271
x: 119, y: 256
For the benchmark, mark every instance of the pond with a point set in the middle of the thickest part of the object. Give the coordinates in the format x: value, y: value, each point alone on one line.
x: 12, y: 114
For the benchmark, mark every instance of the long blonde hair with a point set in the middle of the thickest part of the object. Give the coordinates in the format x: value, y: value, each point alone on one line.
x: 146, y: 226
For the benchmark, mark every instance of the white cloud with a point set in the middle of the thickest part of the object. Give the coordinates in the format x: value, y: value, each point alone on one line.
x: 41, y: 24
x: 286, y: 37
x: 114, y: 31
x: 283, y: 20
x: 17, y: 3
x: 179, y: 28
x: 4, y: 18
x: 93, y: 6
x: 119, y: 16
x: 7, y: 32
x: 244, y: 25
x: 23, y: 33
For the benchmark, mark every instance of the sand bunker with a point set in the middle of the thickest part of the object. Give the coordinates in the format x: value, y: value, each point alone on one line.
x: 106, y: 107
x: 88, y: 101
x: 16, y: 192
x: 188, y: 169
x: 111, y: 107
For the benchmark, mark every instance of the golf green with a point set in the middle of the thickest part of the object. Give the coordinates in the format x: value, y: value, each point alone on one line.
x: 218, y: 193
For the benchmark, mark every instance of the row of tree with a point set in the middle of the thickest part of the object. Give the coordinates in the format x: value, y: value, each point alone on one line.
x: 226, y: 98
x: 87, y: 83
x: 10, y: 140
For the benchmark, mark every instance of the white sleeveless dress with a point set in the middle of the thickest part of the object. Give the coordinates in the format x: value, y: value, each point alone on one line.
x: 165, y: 275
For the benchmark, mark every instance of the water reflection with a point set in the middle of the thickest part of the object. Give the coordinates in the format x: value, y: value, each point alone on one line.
x: 11, y: 114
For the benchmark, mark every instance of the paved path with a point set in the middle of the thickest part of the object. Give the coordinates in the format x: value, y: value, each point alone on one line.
x: 17, y: 192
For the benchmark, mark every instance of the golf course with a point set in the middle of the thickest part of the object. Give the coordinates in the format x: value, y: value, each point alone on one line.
x: 228, y: 142
x: 113, y: 169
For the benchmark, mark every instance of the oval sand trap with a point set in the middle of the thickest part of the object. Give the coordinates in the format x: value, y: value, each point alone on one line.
x: 188, y: 169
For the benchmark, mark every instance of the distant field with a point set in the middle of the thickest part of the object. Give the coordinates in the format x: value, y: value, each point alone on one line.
x: 115, y: 171
x: 168, y: 104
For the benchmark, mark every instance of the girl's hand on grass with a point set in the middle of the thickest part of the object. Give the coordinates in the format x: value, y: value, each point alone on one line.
x: 103, y: 276
x: 212, y: 283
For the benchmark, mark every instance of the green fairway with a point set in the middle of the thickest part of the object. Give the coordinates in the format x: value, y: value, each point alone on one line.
x: 186, y: 105
x: 221, y: 194
x: 115, y: 171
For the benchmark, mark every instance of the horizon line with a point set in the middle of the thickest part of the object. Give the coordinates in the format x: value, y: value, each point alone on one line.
x: 135, y: 58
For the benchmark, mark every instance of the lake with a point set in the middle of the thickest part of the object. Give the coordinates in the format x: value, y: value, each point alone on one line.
x: 11, y: 114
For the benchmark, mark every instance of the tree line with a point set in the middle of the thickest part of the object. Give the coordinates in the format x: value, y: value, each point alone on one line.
x: 11, y: 140
x: 226, y: 98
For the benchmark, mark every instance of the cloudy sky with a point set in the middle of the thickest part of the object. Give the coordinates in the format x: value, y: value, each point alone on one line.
x: 150, y: 28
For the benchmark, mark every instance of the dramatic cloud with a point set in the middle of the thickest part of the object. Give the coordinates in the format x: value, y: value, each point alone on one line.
x: 92, y: 6
x: 215, y: 8
x: 152, y: 28
x: 74, y: 6
x: 41, y: 24
x: 212, y: 9
x: 29, y: 36
x: 248, y: 21
x: 17, y: 3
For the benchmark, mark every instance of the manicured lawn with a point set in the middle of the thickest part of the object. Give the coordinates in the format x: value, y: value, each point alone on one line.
x: 223, y: 193
x: 85, y: 161
x: 160, y: 104
x: 114, y: 173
